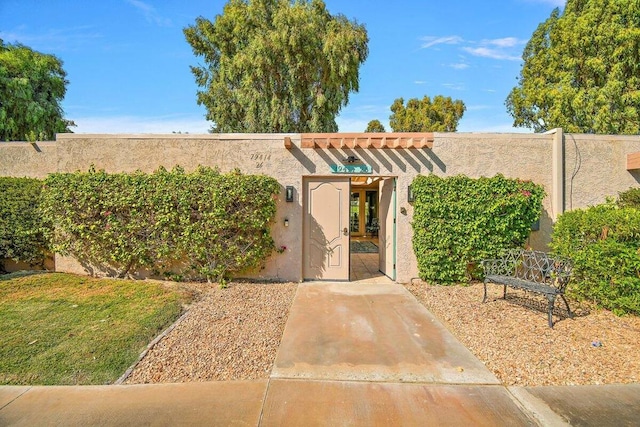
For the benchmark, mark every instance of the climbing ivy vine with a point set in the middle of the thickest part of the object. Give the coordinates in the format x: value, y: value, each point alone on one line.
x: 22, y: 236
x: 204, y: 223
x: 459, y: 221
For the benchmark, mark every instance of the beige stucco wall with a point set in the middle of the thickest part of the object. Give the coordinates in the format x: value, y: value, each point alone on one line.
x: 524, y: 156
x: 593, y: 169
x: 251, y: 153
x: 22, y: 159
x: 11, y: 266
x: 475, y: 155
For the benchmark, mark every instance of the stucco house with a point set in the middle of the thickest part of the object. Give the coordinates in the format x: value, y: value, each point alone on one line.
x: 341, y: 188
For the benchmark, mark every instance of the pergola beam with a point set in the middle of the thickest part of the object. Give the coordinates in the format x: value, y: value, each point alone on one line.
x: 633, y: 161
x: 367, y: 140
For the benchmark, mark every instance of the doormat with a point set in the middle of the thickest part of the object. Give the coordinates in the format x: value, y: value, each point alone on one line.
x: 358, y: 247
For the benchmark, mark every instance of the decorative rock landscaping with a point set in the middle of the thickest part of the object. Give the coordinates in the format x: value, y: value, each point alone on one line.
x: 234, y: 334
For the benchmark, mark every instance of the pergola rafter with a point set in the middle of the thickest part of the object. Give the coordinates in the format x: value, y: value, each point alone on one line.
x: 364, y: 140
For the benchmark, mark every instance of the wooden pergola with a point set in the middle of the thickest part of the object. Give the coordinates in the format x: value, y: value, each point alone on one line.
x: 364, y: 140
x: 633, y: 161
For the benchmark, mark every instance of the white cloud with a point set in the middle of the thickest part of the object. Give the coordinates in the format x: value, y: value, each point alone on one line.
x: 481, y: 127
x: 138, y: 124
x: 348, y: 124
x: 368, y: 108
x: 430, y: 41
x: 454, y: 86
x: 355, y: 118
x: 150, y: 13
x: 184, y: 124
x: 420, y: 82
x: 486, y: 52
x: 459, y: 66
x: 503, y: 48
x: 503, y: 42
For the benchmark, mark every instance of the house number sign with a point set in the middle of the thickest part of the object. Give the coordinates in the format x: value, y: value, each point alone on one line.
x: 351, y: 169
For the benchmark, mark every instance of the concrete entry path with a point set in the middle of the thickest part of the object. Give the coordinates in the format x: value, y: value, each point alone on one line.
x: 371, y: 332
x: 352, y: 354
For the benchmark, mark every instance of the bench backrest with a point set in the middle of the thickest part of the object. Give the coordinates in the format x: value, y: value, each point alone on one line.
x: 539, y: 267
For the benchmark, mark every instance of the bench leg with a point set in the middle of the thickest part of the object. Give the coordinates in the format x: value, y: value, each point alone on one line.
x: 552, y: 301
x: 484, y: 299
x: 504, y: 292
x: 567, y: 304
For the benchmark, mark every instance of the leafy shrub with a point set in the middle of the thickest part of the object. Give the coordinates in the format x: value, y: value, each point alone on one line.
x: 629, y: 198
x: 228, y: 229
x: 458, y: 221
x: 210, y: 223
x: 604, y: 243
x: 21, y: 229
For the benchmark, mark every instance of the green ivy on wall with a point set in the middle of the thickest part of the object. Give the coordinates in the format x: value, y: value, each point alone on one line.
x: 203, y: 223
x: 459, y: 221
x: 22, y: 237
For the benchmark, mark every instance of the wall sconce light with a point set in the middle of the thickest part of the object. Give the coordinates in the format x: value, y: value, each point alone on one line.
x: 535, y: 226
x: 286, y: 222
x: 351, y: 159
x: 288, y: 193
x: 410, y: 196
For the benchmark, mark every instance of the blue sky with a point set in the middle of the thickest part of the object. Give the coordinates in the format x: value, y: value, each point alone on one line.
x: 128, y: 62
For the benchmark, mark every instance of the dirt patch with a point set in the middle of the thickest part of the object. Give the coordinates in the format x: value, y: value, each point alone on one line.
x: 228, y: 334
x: 514, y: 341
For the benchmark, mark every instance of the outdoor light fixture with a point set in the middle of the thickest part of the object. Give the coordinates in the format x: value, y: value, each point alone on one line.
x: 410, y: 196
x: 351, y: 159
x: 288, y: 193
x: 286, y: 222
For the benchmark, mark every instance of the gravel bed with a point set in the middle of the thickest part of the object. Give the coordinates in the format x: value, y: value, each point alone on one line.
x: 227, y: 334
x: 234, y: 334
x: 514, y: 341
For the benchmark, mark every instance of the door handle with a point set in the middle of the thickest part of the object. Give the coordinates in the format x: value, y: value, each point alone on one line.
x: 345, y: 231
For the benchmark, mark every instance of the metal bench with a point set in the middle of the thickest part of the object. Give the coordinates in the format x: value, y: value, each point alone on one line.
x: 532, y: 271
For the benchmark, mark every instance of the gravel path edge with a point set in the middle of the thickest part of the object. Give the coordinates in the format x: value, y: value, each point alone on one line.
x: 149, y: 347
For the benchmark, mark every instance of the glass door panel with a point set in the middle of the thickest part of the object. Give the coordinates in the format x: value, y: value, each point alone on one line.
x: 371, y: 213
x: 354, y: 213
x: 363, y: 213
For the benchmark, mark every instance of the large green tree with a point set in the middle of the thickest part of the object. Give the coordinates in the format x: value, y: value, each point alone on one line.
x: 276, y: 65
x: 32, y: 86
x: 375, y: 126
x: 441, y: 114
x: 581, y: 70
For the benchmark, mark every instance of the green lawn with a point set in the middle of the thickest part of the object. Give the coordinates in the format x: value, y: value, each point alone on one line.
x: 65, y: 329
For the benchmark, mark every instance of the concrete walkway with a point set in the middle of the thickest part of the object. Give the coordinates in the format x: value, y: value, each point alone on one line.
x: 351, y: 354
